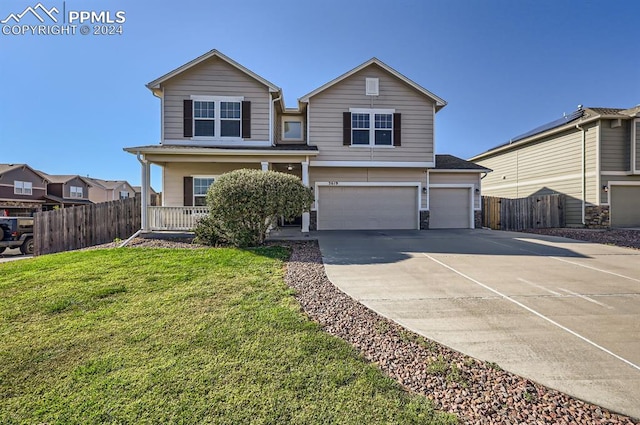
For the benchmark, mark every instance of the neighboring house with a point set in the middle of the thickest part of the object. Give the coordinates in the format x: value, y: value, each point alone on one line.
x: 109, y: 190
x: 591, y: 155
x: 155, y: 197
x: 22, y: 190
x: 66, y: 191
x: 364, y: 142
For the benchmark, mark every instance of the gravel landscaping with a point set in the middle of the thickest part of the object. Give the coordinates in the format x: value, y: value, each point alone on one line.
x: 478, y: 392
x: 618, y: 237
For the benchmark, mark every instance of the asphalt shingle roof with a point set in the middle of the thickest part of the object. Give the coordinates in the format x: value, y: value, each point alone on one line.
x: 450, y: 162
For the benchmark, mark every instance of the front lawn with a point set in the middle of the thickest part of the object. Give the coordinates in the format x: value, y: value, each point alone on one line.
x: 163, y: 336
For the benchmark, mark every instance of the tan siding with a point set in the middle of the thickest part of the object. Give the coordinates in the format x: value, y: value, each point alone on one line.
x: 78, y: 183
x: 174, y: 173
x: 604, y: 196
x: 215, y: 77
x: 637, y: 129
x: 326, y: 110
x: 591, y: 154
x: 340, y: 174
x: 459, y: 178
x: 553, y: 165
x: 615, y: 147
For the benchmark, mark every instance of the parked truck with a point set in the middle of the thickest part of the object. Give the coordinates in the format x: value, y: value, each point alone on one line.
x: 17, y: 232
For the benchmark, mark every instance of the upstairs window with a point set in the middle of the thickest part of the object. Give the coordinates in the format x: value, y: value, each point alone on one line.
x: 204, y: 114
x: 230, y: 119
x: 217, y: 117
x: 292, y: 129
x: 75, y: 192
x: 124, y: 194
x: 372, y: 127
x: 22, y: 188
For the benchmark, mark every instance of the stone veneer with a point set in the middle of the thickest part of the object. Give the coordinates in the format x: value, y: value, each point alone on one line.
x: 477, y: 219
x: 313, y: 220
x: 596, y: 216
x: 424, y: 220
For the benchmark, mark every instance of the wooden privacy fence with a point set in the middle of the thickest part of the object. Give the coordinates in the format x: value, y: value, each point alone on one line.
x: 534, y: 212
x: 79, y: 227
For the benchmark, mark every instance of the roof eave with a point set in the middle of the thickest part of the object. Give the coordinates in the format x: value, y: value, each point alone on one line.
x: 535, y: 137
x: 440, y: 103
x: 155, y: 85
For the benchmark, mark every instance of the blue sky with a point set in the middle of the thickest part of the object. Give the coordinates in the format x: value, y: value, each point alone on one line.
x: 70, y: 103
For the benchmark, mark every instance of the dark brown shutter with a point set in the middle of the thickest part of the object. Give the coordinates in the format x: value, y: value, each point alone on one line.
x: 346, y: 128
x: 246, y: 119
x: 188, y: 118
x: 397, y: 130
x: 188, y: 191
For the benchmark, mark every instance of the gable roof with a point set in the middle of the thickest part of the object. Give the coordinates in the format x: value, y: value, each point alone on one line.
x: 155, y: 84
x: 8, y: 167
x: 450, y: 162
x: 108, y: 184
x: 578, y: 117
x: 440, y: 103
x: 63, y: 178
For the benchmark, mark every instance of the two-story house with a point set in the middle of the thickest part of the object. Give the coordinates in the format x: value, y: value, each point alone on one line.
x: 109, y: 190
x: 591, y: 155
x: 364, y: 142
x: 66, y: 191
x: 22, y: 190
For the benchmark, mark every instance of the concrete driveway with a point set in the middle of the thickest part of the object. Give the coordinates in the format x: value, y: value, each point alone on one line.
x: 557, y: 311
x: 12, y: 255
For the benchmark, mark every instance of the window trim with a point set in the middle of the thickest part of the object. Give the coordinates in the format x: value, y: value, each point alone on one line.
x: 74, y: 194
x: 21, y: 186
x: 217, y: 126
x: 121, y: 192
x: 299, y: 119
x: 372, y: 130
x: 193, y: 189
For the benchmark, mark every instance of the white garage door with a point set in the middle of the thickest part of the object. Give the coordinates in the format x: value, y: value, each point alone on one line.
x: 449, y: 208
x: 367, y: 207
x: 625, y: 206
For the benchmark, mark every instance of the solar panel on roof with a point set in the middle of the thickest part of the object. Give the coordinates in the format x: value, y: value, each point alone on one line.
x: 548, y: 126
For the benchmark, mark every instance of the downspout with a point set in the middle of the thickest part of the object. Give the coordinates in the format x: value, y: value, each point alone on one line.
x: 582, y: 174
x: 144, y: 192
x: 271, y: 117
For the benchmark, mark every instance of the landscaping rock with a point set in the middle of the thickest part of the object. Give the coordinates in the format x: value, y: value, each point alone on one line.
x: 478, y: 392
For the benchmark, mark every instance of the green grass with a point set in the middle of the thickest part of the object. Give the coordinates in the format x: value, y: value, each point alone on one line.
x: 152, y: 336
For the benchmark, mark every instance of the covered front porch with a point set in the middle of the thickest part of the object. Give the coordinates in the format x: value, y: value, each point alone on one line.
x: 186, y: 169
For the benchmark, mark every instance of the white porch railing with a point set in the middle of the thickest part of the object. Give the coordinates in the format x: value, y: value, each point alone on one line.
x: 174, y: 218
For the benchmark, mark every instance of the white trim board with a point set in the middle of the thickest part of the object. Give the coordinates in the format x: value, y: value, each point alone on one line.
x: 371, y: 164
x: 205, y: 142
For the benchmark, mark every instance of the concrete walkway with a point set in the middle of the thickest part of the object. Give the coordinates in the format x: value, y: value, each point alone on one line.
x: 557, y: 311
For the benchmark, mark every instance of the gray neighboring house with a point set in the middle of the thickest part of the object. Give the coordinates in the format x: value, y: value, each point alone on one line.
x: 591, y: 155
x: 364, y: 141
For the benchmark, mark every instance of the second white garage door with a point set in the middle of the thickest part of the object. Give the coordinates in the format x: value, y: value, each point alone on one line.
x: 449, y: 208
x: 625, y: 206
x: 367, y: 207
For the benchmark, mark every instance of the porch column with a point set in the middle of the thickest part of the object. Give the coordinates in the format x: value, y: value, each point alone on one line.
x: 144, y: 186
x: 305, y: 181
x: 265, y: 166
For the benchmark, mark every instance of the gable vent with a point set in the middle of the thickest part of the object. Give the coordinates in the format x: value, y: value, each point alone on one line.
x: 373, y: 87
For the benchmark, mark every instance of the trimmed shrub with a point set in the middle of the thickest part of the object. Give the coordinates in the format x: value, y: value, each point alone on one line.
x: 244, y: 204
